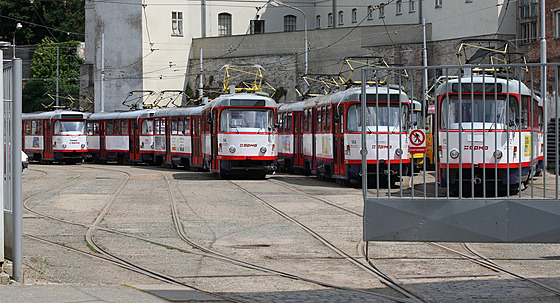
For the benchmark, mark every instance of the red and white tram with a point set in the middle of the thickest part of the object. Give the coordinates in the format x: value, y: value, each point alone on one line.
x: 490, y: 131
x: 55, y: 136
x: 183, y: 144
x: 239, y: 135
x: 132, y: 136
x: 332, y: 126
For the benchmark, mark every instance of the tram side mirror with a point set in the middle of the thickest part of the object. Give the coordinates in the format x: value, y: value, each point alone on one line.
x: 209, y: 120
x: 276, y: 125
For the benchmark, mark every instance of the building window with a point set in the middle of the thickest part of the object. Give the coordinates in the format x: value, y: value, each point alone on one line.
x: 290, y: 23
x: 528, y: 9
x: 399, y: 7
x: 257, y: 26
x: 529, y: 32
x: 354, y: 15
x: 370, y: 12
x: 318, y: 22
x: 224, y: 24
x: 341, y: 18
x: 382, y: 12
x: 556, y: 24
x: 439, y: 3
x: 330, y: 20
x: 411, y: 6
x: 176, y: 23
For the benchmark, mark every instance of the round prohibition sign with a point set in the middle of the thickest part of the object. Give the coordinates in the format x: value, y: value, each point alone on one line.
x: 417, y: 137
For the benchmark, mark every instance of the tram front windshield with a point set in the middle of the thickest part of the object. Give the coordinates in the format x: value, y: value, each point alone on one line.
x: 381, y: 117
x: 479, y: 113
x: 248, y: 120
x: 62, y: 127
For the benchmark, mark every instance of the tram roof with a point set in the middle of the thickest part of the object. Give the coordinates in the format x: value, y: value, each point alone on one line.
x: 291, y: 107
x: 134, y: 114
x: 353, y: 94
x: 491, y: 84
x: 242, y: 100
x: 57, y: 114
x: 179, y: 111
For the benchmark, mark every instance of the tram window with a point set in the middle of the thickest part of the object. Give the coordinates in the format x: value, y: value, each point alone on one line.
x: 328, y: 120
x: 28, y: 127
x: 39, y: 129
x: 124, y: 127
x: 174, y: 126
x: 289, y: 127
x: 318, y: 127
x: 147, y: 127
x: 187, y: 126
x: 525, y: 112
x: 109, y: 127
x: 117, y: 127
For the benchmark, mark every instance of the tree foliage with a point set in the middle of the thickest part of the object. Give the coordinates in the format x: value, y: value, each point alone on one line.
x: 61, y: 20
x: 43, y: 74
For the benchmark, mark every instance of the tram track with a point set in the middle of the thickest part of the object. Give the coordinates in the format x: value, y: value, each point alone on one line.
x: 369, y: 269
x: 475, y: 256
x: 186, y: 238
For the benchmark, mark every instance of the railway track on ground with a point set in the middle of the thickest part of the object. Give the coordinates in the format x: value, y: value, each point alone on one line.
x: 474, y: 256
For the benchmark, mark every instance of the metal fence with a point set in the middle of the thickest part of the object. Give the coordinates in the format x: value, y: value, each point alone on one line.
x: 486, y: 161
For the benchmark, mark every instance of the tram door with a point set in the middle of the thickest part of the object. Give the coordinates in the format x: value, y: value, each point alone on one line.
x: 298, y: 139
x: 48, y: 152
x: 214, y: 139
x: 196, y: 144
x: 314, y: 140
x: 169, y: 125
x: 102, y: 138
x: 134, y: 139
x: 338, y: 148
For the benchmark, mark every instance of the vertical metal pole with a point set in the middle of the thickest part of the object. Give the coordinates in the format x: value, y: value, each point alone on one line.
x: 543, y: 80
x: 363, y: 150
x: 16, y: 168
x: 102, y: 84
x: 200, y: 82
x: 203, y: 18
x: 2, y: 157
x: 57, y: 73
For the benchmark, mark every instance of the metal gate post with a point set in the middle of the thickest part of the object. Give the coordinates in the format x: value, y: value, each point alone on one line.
x: 16, y: 168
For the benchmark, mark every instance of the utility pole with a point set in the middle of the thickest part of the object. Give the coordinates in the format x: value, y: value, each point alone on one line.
x: 57, y: 73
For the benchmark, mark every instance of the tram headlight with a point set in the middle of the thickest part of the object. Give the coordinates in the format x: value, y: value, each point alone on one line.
x: 63, y: 145
x: 498, y: 154
x: 454, y: 153
x: 263, y: 149
x: 83, y: 145
x: 399, y: 152
x: 232, y: 149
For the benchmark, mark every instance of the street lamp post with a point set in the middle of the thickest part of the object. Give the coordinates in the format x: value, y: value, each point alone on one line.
x: 18, y: 27
x: 304, y: 27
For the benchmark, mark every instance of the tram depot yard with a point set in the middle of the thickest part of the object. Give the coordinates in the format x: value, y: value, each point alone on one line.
x: 288, y: 238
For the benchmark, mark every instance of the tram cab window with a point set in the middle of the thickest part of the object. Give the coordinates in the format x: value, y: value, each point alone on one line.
x: 147, y: 127
x: 69, y: 127
x: 234, y: 120
x: 478, y: 113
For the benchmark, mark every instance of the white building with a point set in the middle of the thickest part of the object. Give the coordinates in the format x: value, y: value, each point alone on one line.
x: 138, y: 45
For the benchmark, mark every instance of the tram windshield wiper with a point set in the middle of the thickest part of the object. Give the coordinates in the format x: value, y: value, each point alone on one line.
x: 494, y: 123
